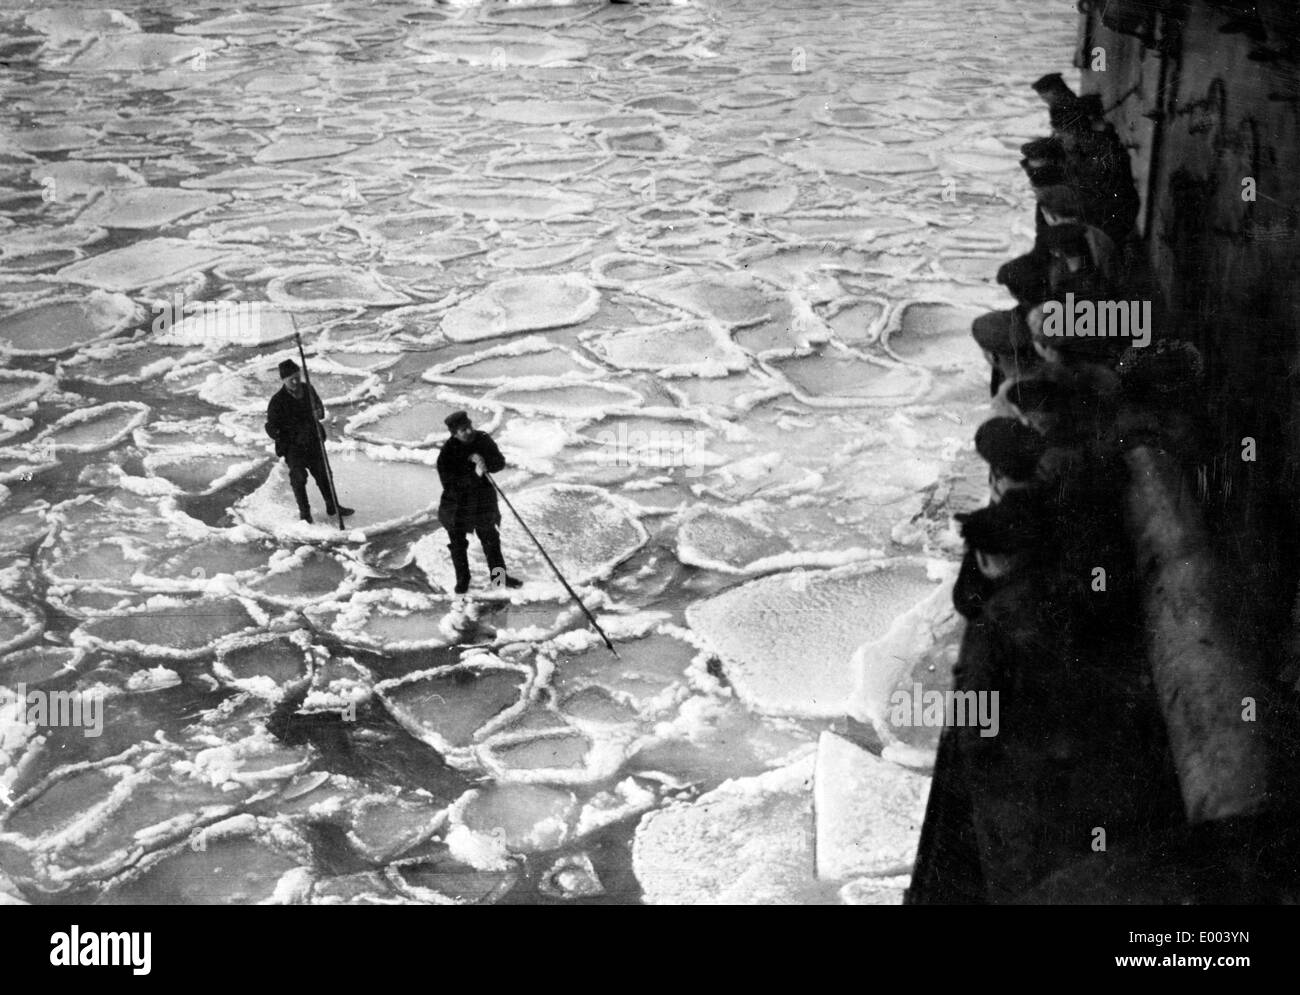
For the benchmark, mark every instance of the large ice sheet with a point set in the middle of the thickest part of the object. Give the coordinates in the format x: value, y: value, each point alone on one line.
x: 918, y: 650
x: 146, y: 207
x: 19, y: 624
x: 63, y: 25
x: 57, y: 326
x: 333, y: 286
x: 868, y: 812
x: 522, y: 304
x: 416, y: 419
x: 143, y: 264
x: 292, y: 148
x: 20, y: 387
x: 244, y: 860
x: 74, y: 178
x: 125, y: 52
x: 89, y: 430
x: 587, y: 532
x: 490, y: 823
x: 450, y: 707
x: 397, y: 621
x: 388, y: 489
x: 170, y: 627
x: 35, y: 241
x: 497, y: 50
x: 518, y: 201
x: 250, y: 387
x: 747, y: 842
x: 726, y: 540
x: 564, y: 400
x: 697, y: 348
x: 833, y: 379
x: 786, y: 641
x: 216, y: 324
x: 530, y: 357
x: 544, y: 112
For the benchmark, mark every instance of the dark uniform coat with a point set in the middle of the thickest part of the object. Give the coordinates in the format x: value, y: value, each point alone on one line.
x: 468, y: 500
x: 293, y: 423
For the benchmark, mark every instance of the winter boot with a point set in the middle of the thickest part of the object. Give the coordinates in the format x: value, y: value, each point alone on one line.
x: 460, y: 560
x: 497, y: 564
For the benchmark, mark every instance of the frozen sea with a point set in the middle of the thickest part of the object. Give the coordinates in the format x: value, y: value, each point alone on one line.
x: 705, y: 269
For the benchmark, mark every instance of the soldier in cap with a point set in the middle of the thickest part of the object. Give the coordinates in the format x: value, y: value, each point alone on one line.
x: 1007, y: 345
x: 293, y: 420
x: 1012, y: 450
x: 469, y: 500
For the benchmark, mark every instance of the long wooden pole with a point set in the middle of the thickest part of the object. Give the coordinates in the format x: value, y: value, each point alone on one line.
x: 551, y: 563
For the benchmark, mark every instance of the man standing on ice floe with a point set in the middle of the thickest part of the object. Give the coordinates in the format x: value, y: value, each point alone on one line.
x: 293, y: 420
x: 469, y: 501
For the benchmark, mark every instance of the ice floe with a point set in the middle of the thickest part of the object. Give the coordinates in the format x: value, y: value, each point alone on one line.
x: 55, y: 138
x: 130, y: 52
x: 918, y: 650
x: 75, y: 178
x: 293, y: 148
x: 19, y: 624
x: 38, y: 663
x: 416, y: 419
x: 747, y: 842
x: 243, y: 860
x: 489, y: 824
x: 58, y: 326
x: 171, y: 627
x: 563, y: 399
x: 786, y: 641
x: 143, y: 264
x: 518, y: 201
x: 263, y: 663
x: 681, y: 348
x: 844, y: 379
x: 530, y: 357
x: 249, y: 387
x: 249, y: 178
x: 868, y: 812
x: 933, y: 334
x: 497, y: 50
x: 452, y: 707
x: 146, y: 207
x: 305, y: 575
x: 64, y: 25
x: 587, y: 531
x: 215, y: 324
x: 445, y: 880
x: 35, y: 241
x: 21, y: 387
x: 388, y: 488
x: 89, y: 430
x: 333, y: 286
x: 543, y: 112
x: 396, y: 621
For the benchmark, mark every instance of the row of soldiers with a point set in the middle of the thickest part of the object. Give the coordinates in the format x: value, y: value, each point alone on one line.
x: 1047, y: 581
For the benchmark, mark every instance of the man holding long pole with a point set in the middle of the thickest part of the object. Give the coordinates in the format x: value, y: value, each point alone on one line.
x: 469, y: 500
x: 293, y: 420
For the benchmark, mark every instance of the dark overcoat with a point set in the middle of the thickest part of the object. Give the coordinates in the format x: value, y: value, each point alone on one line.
x: 293, y: 422
x: 468, y: 500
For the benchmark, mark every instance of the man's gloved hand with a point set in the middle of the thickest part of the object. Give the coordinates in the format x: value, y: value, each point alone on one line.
x: 480, y: 465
